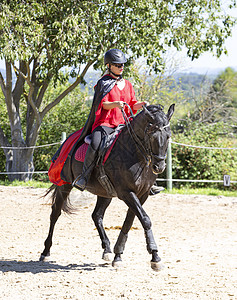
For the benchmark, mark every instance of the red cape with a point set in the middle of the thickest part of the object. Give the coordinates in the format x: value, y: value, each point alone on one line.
x: 57, y: 165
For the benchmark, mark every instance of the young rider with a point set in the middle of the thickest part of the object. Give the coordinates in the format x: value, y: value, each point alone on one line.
x: 111, y: 94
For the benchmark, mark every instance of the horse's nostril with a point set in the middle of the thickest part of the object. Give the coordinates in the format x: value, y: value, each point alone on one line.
x: 159, y: 168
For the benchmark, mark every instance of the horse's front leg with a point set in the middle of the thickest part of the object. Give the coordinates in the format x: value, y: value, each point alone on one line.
x: 97, y: 216
x: 135, y: 208
x: 122, y: 238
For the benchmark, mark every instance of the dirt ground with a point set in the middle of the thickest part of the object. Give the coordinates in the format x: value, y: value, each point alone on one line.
x: 196, y: 235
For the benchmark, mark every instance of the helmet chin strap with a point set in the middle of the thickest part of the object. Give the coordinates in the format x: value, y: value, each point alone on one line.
x: 117, y: 75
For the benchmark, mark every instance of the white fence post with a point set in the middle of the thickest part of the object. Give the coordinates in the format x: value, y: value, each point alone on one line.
x: 169, y: 168
x: 63, y: 138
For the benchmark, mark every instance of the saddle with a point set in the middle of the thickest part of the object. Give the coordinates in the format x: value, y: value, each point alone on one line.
x: 104, y: 150
x: 58, y: 160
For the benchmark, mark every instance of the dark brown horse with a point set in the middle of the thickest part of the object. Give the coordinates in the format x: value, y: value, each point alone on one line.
x: 136, y: 159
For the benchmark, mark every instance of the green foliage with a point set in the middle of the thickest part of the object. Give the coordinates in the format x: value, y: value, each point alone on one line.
x: 217, y: 101
x: 158, y: 89
x: 68, y: 116
x: 203, y: 164
x: 190, y: 163
x: 224, y: 89
x: 72, y: 32
x: 190, y: 82
x: 39, y: 39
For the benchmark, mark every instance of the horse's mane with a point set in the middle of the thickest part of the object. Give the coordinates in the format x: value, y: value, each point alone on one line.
x: 155, y: 108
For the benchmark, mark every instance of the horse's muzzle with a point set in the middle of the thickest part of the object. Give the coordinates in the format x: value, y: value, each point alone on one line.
x: 158, y: 167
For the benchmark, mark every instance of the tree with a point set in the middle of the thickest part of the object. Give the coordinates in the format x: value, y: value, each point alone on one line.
x: 39, y: 39
x: 225, y: 87
x: 219, y: 102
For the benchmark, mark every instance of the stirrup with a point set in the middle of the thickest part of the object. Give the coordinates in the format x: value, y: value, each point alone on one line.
x: 80, y: 183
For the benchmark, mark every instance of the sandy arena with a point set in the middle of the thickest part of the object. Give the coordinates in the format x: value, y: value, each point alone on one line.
x: 196, y: 236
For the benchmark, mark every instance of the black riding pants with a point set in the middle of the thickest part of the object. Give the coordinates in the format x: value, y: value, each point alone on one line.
x: 97, y: 135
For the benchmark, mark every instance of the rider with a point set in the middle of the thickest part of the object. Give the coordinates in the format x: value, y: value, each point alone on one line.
x: 108, y: 114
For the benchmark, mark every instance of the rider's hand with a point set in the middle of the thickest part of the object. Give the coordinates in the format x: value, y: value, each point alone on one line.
x: 146, y: 103
x: 120, y: 104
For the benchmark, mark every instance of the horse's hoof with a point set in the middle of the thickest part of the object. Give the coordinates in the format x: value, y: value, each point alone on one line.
x: 43, y: 257
x: 108, y: 256
x: 157, y: 266
x: 117, y: 264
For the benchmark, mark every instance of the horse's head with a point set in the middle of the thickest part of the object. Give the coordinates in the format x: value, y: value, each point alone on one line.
x: 157, y: 134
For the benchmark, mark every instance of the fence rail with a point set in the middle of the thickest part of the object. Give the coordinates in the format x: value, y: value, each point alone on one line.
x: 169, y: 178
x: 30, y: 147
x: 194, y: 180
x: 203, y: 147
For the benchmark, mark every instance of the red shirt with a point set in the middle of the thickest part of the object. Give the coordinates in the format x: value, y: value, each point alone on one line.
x: 113, y: 117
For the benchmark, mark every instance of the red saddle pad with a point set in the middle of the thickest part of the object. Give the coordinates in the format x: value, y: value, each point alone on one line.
x: 81, y: 152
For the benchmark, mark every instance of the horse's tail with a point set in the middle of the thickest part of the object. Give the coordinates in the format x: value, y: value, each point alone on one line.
x: 60, y: 194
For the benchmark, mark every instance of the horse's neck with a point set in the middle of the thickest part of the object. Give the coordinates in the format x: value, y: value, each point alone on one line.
x: 134, y: 134
x: 138, y: 126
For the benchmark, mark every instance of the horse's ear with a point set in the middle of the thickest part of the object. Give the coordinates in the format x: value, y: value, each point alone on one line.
x: 147, y: 113
x: 170, y: 111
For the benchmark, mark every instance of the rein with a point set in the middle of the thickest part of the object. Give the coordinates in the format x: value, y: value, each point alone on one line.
x: 147, y: 153
x: 133, y: 135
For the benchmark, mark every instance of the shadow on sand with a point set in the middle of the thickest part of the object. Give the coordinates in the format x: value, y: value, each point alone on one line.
x: 35, y: 267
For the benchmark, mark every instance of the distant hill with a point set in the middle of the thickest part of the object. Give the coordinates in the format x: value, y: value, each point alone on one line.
x: 185, y: 80
x: 210, y: 71
x: 91, y: 79
x: 194, y: 80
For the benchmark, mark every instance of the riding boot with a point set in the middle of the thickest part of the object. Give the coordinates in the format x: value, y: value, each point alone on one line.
x: 89, y: 163
x: 155, y: 190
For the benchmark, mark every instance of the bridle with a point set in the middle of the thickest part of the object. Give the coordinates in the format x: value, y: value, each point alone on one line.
x: 145, y: 149
x: 149, y: 130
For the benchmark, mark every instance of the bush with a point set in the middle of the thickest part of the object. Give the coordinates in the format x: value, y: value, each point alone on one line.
x: 203, y: 164
x: 68, y: 116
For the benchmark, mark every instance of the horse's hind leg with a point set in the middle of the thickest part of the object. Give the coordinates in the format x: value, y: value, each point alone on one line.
x: 60, y: 194
x: 97, y: 216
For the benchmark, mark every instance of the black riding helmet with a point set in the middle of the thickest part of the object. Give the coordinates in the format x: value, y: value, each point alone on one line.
x: 114, y: 56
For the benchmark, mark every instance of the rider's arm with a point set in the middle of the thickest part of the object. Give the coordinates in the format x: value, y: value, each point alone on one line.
x: 139, y: 105
x: 109, y: 105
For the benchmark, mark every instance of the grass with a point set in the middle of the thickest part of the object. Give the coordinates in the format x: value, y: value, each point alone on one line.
x: 30, y: 183
x: 184, y: 190
x: 203, y: 191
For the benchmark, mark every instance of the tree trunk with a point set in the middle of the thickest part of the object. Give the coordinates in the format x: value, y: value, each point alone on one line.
x: 20, y: 163
x: 19, y: 158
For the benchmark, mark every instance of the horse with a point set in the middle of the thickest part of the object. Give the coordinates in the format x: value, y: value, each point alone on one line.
x: 135, y: 161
